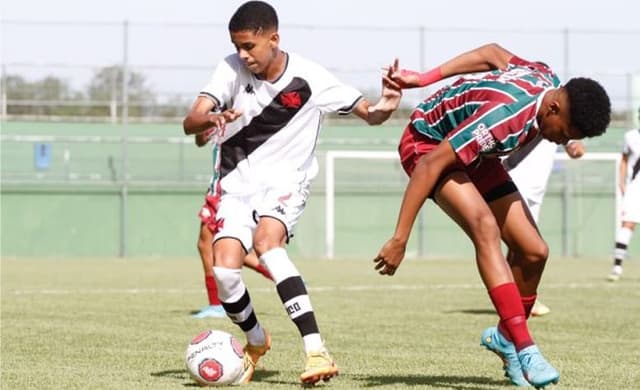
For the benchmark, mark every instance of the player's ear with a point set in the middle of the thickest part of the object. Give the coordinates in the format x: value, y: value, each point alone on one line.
x: 554, y: 107
x: 274, y: 39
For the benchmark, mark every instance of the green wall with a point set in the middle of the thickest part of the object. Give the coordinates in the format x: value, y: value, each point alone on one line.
x: 56, y: 216
x: 162, y: 222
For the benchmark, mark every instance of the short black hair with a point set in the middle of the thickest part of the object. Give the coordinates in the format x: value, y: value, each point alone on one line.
x: 589, y: 106
x: 254, y: 16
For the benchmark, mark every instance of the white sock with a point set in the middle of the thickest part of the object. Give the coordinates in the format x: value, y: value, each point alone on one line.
x: 294, y: 297
x: 231, y: 291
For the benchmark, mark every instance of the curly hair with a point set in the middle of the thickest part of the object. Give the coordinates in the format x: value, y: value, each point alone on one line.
x: 589, y: 106
x: 254, y: 16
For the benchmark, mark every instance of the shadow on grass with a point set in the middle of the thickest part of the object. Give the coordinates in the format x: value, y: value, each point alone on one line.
x: 474, y: 311
x: 262, y: 376
x: 449, y: 382
x: 183, y: 375
x: 260, y: 313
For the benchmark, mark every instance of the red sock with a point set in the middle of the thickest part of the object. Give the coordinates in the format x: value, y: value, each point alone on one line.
x: 212, y: 290
x: 264, y: 271
x: 513, y: 323
x: 528, y: 303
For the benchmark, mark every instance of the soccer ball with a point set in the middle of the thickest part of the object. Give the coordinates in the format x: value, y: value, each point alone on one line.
x: 214, y: 358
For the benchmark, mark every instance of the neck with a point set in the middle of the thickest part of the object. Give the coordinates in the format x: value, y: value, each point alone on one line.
x: 548, y: 97
x: 276, y: 68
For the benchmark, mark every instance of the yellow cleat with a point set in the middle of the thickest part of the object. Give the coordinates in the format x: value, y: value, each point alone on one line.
x: 319, y: 366
x: 253, y: 353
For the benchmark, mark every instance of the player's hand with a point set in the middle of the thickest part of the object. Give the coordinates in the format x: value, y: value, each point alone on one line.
x: 219, y: 120
x: 575, y: 149
x: 391, y: 94
x: 401, y: 78
x: 390, y: 257
x: 231, y: 115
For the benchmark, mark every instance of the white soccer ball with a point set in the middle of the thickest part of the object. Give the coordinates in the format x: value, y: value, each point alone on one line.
x: 214, y: 358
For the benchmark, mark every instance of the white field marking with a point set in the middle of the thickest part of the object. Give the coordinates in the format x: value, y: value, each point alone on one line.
x: 397, y: 287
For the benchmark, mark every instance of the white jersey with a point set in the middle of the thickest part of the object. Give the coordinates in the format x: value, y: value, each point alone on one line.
x: 631, y: 149
x: 273, y: 142
x: 530, y: 168
x: 631, y: 200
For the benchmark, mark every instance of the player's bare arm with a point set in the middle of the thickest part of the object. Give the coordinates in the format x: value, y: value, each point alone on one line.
x: 423, y: 180
x: 388, y: 103
x: 485, y: 58
x: 201, y: 139
x: 622, y: 173
x: 200, y: 118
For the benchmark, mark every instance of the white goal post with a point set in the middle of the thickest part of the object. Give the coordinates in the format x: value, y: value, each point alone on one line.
x: 332, y: 156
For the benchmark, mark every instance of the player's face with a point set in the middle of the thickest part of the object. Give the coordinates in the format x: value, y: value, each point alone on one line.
x: 555, y: 121
x: 257, y: 49
x: 558, y: 130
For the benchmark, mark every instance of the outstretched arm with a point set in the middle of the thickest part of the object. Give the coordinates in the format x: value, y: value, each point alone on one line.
x: 485, y: 58
x: 422, y: 182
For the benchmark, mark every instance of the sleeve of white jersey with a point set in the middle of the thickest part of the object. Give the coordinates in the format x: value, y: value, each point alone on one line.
x: 330, y: 94
x: 220, y: 86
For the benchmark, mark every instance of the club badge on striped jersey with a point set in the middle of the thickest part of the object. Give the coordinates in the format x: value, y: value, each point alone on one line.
x: 484, y: 138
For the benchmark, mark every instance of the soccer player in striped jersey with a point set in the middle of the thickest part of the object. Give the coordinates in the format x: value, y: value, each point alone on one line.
x: 630, y: 188
x: 451, y: 151
x: 272, y: 105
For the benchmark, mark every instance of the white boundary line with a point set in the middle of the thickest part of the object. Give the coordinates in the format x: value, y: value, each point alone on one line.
x: 376, y: 287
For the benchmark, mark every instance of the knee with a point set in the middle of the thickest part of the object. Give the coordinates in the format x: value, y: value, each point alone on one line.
x: 264, y: 241
x: 536, y: 253
x: 262, y: 245
x: 485, y: 229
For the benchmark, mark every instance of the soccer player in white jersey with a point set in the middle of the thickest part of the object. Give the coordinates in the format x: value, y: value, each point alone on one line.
x: 208, y: 228
x: 630, y: 188
x: 272, y: 105
x: 530, y: 168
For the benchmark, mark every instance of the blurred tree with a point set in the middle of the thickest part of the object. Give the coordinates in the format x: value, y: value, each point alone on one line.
x: 41, y: 97
x: 106, y: 87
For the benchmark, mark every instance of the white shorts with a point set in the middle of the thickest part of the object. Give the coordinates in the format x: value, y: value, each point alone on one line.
x: 531, y: 175
x: 239, y: 214
x: 631, y: 202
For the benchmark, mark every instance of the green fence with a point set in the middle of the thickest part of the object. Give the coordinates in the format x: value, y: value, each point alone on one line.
x: 81, y: 203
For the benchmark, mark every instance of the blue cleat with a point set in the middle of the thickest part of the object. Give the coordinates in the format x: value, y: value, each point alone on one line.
x: 536, y: 368
x: 496, y: 343
x: 211, y: 311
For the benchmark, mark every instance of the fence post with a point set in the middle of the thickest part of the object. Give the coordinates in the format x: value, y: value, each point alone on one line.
x: 124, y: 191
x: 422, y: 43
x: 565, y: 210
x: 566, y: 54
x: 3, y: 88
x: 113, y: 104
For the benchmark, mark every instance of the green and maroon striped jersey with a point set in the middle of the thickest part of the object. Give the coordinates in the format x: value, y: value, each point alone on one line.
x: 487, y: 114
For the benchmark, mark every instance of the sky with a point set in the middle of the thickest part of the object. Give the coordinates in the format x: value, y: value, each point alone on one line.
x: 177, y: 43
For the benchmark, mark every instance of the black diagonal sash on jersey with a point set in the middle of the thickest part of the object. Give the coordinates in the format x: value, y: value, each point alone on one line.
x: 636, y: 168
x: 272, y: 119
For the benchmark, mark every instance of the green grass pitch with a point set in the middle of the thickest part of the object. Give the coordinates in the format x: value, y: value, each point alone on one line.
x: 125, y: 324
